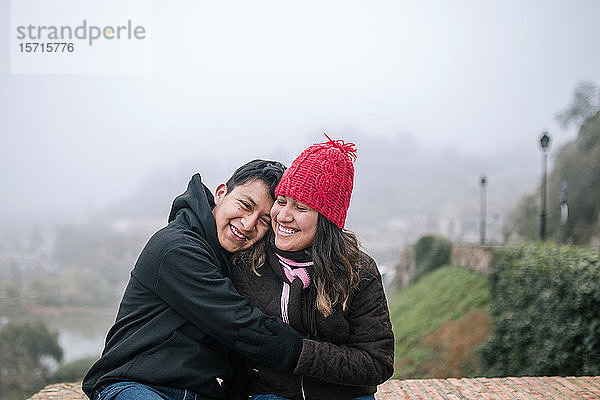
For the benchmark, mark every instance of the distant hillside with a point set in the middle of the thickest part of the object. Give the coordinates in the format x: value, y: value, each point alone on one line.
x: 438, y: 322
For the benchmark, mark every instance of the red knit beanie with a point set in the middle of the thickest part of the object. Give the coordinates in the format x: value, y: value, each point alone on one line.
x: 322, y: 177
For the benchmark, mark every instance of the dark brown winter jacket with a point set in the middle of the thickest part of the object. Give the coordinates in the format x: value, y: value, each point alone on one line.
x: 347, y: 354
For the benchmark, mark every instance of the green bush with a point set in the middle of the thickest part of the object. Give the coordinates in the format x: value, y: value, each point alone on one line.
x: 431, y: 252
x: 545, y: 303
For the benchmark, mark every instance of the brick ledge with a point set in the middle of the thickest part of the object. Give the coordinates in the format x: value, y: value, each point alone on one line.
x: 525, y: 388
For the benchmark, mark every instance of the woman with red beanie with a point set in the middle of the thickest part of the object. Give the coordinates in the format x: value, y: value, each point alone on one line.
x: 311, y: 273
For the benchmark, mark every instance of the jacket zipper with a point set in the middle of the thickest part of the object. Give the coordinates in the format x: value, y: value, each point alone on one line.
x: 302, y: 387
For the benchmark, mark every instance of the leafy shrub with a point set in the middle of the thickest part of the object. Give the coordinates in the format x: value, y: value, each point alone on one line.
x: 431, y: 252
x: 545, y: 303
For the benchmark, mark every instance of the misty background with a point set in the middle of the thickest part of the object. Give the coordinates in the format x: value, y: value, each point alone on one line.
x: 434, y: 94
x: 450, y: 89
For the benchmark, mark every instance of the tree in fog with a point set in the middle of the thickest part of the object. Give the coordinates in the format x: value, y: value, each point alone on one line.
x: 25, y: 350
x: 585, y: 104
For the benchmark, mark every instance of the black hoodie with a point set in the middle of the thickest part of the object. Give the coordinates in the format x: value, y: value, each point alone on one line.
x: 180, y: 313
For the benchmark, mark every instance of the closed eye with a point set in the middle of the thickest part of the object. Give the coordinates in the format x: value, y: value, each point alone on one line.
x: 266, y: 221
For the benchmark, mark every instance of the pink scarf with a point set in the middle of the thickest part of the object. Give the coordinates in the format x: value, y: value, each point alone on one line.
x: 291, y: 274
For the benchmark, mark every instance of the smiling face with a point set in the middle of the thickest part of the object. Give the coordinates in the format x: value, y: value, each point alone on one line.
x: 294, y: 224
x: 242, y: 215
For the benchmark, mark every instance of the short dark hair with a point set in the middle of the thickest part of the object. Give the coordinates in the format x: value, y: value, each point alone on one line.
x: 269, y: 172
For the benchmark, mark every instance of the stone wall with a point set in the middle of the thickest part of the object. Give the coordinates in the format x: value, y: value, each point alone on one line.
x: 474, y: 257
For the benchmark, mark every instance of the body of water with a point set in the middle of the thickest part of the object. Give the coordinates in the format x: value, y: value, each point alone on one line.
x: 81, y: 333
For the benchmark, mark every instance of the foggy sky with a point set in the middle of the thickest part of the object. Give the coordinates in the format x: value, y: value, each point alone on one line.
x: 232, y: 81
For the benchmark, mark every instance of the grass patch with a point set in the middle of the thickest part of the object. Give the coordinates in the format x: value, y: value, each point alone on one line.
x: 445, y: 295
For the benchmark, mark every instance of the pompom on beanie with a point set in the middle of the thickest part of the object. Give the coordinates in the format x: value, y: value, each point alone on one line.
x: 322, y: 177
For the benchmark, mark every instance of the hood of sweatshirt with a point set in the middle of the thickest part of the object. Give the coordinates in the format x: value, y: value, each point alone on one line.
x: 195, y: 205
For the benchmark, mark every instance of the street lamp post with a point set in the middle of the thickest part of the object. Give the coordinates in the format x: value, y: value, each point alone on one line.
x: 544, y: 144
x: 482, y: 210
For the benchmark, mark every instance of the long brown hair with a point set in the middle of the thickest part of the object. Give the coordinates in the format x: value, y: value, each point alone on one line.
x: 336, y: 256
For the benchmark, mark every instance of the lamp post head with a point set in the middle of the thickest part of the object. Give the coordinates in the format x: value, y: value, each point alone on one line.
x: 545, y: 142
x: 483, y: 181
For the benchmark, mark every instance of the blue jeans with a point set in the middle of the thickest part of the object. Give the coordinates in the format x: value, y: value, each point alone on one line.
x: 275, y: 397
x: 139, y: 391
